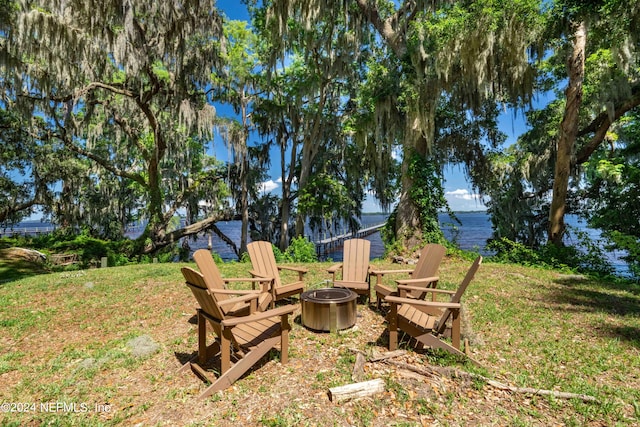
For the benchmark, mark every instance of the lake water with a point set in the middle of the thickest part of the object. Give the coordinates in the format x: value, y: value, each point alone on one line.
x: 471, y: 234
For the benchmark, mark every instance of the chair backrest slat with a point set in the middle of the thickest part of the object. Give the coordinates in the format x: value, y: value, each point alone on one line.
x: 195, y: 281
x: 355, y: 264
x: 458, y: 295
x: 427, y: 265
x: 263, y: 261
x: 210, y: 272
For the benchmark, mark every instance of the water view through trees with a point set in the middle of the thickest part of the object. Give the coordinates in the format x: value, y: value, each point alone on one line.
x: 471, y: 235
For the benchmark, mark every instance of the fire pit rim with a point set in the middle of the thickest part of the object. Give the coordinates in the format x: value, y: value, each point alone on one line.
x: 345, y: 295
x: 323, y: 314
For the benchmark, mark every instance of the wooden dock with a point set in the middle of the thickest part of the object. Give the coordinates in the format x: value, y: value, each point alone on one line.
x: 26, y: 231
x: 324, y: 246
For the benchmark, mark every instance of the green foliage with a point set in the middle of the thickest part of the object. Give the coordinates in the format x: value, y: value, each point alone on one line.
x: 217, y: 258
x: 324, y: 198
x: 244, y: 258
x: 427, y: 193
x: 131, y: 143
x: 278, y: 254
x: 90, y: 250
x: 264, y: 218
x: 612, y: 193
x: 590, y: 259
x: 388, y: 233
x: 630, y: 244
x: 301, y: 250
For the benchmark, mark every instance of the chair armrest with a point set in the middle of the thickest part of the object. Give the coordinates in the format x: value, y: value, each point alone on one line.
x: 248, y: 279
x: 235, y: 291
x: 421, y: 303
x: 280, y: 311
x: 257, y: 275
x: 383, y: 272
x: 242, y: 298
x: 300, y: 270
x: 410, y: 282
x: 422, y: 289
x: 253, y: 280
x: 334, y: 268
x: 292, y: 268
x: 380, y: 273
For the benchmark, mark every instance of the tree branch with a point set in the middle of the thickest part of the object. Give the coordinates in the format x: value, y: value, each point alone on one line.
x: 7, y: 211
x: 189, y: 191
x: 393, y: 37
x: 452, y: 372
x: 601, y: 124
x: 186, y: 231
x: 99, y: 160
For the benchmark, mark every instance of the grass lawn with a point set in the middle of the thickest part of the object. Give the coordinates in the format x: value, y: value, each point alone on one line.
x: 102, y: 347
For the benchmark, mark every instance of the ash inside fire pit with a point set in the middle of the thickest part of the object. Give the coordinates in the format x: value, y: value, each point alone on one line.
x: 328, y: 309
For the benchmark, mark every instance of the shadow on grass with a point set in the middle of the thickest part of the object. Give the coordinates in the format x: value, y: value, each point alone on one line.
x: 598, y: 297
x: 12, y: 269
x: 625, y: 333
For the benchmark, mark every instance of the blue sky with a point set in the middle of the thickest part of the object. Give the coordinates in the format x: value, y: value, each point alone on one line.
x: 457, y: 188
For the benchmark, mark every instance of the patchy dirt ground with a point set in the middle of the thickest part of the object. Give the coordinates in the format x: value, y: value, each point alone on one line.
x: 74, y: 348
x: 297, y: 393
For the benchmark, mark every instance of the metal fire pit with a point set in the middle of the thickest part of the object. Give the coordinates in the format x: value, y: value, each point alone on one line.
x: 328, y: 309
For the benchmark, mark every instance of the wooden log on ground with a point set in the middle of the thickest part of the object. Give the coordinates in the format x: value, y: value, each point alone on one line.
x: 356, y: 390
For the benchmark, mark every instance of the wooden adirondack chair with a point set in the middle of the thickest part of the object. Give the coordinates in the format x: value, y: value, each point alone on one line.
x: 354, y: 266
x: 263, y: 263
x: 428, y: 321
x: 424, y: 274
x: 214, y: 280
x: 240, y: 341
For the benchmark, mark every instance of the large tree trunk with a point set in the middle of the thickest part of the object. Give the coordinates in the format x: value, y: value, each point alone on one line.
x: 244, y: 187
x: 567, y: 138
x: 309, y: 152
x: 244, y: 208
x: 153, y: 243
x: 286, y: 194
x: 408, y: 226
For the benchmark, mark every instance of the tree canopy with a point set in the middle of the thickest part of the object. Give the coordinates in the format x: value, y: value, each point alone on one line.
x: 121, y: 89
x: 108, y: 113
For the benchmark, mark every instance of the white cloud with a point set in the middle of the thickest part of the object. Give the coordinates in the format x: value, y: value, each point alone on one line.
x: 461, y: 194
x: 463, y: 200
x: 269, y: 186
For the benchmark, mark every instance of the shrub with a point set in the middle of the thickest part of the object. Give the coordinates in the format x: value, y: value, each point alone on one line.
x: 301, y: 250
x: 589, y: 259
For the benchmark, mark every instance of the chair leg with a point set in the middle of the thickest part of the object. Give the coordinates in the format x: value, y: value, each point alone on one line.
x: 392, y: 318
x: 284, y: 340
x: 225, y: 353
x: 239, y: 368
x: 432, y: 341
x: 202, y: 338
x: 455, y: 328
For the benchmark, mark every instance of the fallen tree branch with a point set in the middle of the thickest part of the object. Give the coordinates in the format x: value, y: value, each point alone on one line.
x: 540, y: 392
x: 377, y: 357
x: 450, y: 372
